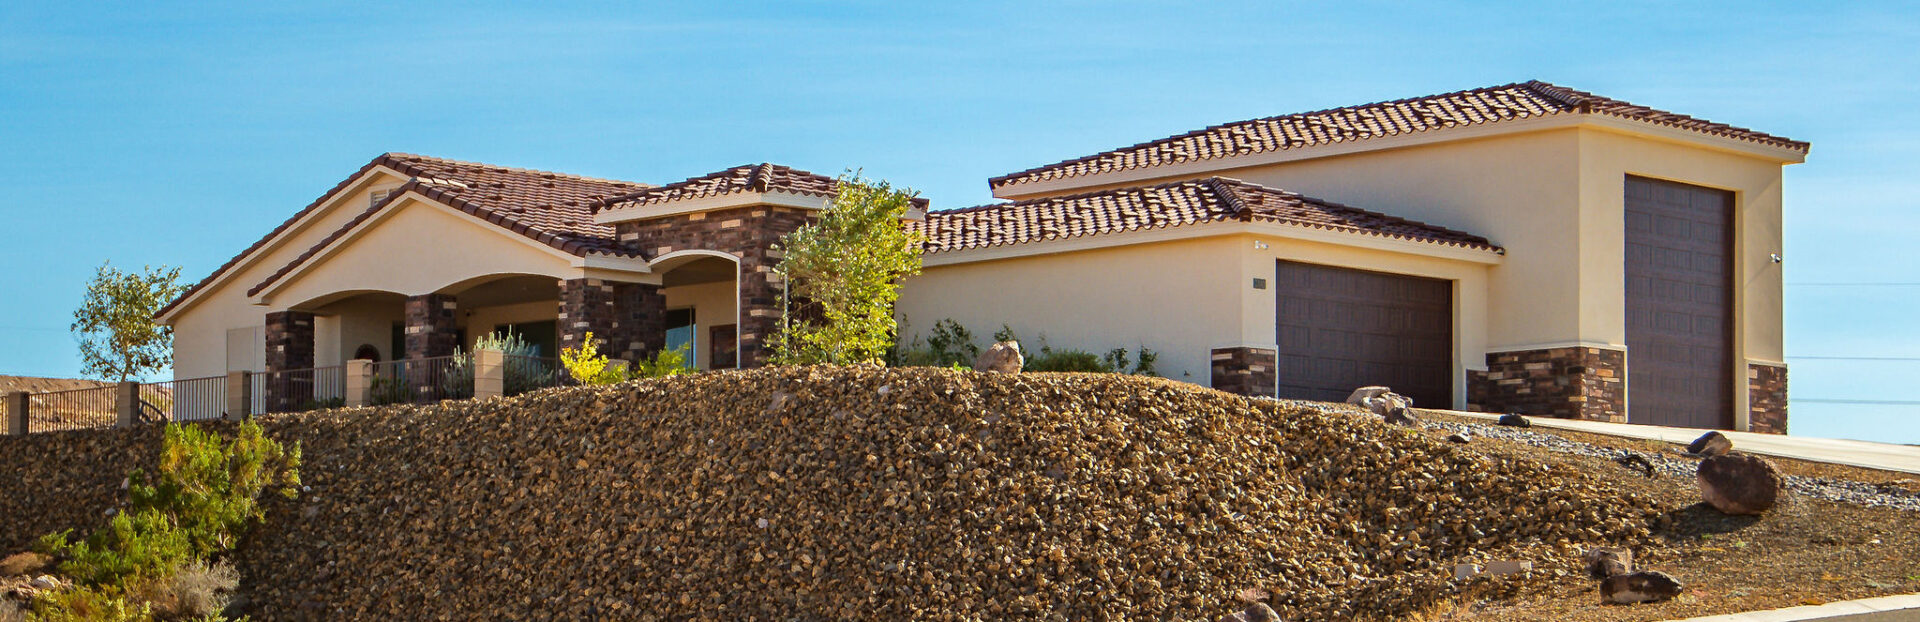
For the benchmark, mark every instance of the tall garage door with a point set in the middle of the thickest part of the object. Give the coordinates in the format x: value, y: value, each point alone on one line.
x: 1679, y: 308
x: 1341, y: 329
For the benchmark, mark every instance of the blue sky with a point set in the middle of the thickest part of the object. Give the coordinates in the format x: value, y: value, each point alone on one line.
x: 164, y: 133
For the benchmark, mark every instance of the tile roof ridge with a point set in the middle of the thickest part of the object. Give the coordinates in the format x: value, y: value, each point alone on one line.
x: 995, y: 181
x: 1574, y: 100
x: 1067, y: 197
x: 399, y: 161
x: 1224, y: 188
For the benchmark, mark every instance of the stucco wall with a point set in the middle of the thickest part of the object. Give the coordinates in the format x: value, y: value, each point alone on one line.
x: 1178, y: 298
x: 200, y: 331
x: 713, y: 305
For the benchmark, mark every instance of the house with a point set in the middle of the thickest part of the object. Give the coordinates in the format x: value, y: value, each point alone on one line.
x: 1525, y: 247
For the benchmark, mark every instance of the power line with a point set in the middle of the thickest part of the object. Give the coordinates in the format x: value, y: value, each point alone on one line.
x: 1856, y: 284
x: 1817, y: 400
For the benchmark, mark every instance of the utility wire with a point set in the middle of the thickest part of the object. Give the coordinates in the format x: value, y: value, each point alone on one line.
x: 1816, y: 400
x: 1856, y: 284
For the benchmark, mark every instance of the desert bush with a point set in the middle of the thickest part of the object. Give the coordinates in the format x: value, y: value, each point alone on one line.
x: 664, y: 363
x: 947, y: 344
x: 203, y: 495
x: 588, y: 366
x: 842, y: 275
x: 1049, y: 359
x: 90, y: 603
x: 523, y: 372
x: 196, y: 590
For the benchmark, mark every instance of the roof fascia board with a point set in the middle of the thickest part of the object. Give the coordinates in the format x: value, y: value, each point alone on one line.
x: 1167, y: 234
x: 414, y: 197
x: 326, y: 206
x: 707, y: 204
x: 1338, y: 237
x: 1030, y: 189
x: 1690, y: 138
x: 1081, y: 243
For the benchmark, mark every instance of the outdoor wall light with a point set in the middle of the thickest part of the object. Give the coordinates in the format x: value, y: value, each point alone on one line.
x: 1259, y: 245
x: 1774, y: 256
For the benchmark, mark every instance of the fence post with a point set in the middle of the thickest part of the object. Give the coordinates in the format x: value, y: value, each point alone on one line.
x: 359, y: 382
x: 489, y: 373
x: 17, y: 404
x: 239, y: 395
x: 126, y: 404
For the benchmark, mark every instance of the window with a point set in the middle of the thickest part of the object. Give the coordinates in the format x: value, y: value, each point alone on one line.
x: 680, y: 331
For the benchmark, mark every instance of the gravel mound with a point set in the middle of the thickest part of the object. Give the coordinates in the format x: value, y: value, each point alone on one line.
x: 868, y: 494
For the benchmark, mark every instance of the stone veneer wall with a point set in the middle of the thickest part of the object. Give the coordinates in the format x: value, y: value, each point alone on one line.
x: 433, y: 325
x: 289, y: 337
x: 1246, y: 371
x: 628, y: 320
x: 1569, y: 383
x: 745, y: 232
x: 1767, y: 399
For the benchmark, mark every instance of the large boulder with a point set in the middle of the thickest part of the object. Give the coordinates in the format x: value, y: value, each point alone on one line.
x: 1257, y: 612
x: 1711, y: 444
x: 1639, y: 587
x: 1003, y: 358
x: 1384, y: 402
x: 1603, y: 563
x: 1739, y: 484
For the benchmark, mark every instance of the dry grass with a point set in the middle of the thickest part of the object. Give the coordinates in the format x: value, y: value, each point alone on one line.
x: 194, y: 591
x: 1803, y: 552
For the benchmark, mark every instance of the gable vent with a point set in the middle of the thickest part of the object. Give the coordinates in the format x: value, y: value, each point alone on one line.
x: 379, y: 195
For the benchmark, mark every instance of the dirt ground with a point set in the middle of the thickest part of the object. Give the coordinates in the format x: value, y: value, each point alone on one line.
x: 1803, y: 552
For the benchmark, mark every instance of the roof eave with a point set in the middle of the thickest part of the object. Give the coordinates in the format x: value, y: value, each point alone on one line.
x: 1025, y: 188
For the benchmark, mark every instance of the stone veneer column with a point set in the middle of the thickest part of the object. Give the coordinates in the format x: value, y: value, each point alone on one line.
x: 433, y: 325
x: 1569, y: 383
x: 760, y: 312
x: 1252, y: 372
x: 1767, y: 398
x: 628, y: 320
x: 289, y: 338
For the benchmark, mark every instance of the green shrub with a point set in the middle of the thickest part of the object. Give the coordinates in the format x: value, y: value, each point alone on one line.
x: 388, y: 390
x: 204, y: 494
x: 1050, y: 359
x: 947, y: 344
x: 664, y: 363
x: 84, y: 603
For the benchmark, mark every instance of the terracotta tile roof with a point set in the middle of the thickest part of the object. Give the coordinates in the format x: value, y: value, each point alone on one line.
x: 1180, y: 203
x: 746, y: 178
x: 1464, y: 108
x: 552, y: 208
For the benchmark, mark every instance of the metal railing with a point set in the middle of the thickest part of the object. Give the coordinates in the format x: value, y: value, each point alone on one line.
x: 421, y: 381
x: 532, y: 373
x: 73, y: 409
x: 295, y: 390
x: 191, y: 399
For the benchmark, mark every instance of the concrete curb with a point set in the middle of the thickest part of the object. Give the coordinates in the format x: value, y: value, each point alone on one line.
x: 1902, y: 608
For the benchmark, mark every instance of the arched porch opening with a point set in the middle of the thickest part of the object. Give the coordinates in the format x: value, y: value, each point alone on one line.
x: 701, y: 307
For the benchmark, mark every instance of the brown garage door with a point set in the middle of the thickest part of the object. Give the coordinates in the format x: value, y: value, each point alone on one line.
x: 1341, y: 329
x: 1679, y: 309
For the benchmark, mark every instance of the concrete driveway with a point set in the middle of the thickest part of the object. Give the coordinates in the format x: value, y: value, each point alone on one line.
x: 1885, y: 456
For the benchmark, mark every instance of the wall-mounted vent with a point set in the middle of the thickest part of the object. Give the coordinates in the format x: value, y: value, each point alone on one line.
x: 378, y: 195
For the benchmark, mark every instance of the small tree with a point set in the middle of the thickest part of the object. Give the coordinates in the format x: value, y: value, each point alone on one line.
x: 845, y: 271
x: 119, y: 337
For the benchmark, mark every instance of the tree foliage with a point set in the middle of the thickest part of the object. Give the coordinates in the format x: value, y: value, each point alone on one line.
x: 119, y: 337
x: 842, y: 275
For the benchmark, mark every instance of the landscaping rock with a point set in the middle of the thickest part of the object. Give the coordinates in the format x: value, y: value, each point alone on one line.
x: 1603, y: 563
x: 1360, y: 396
x: 44, y: 582
x: 1460, y: 437
x: 1001, y: 358
x: 1711, y: 444
x: 1258, y: 612
x: 1639, y: 587
x: 952, y: 495
x: 1514, y: 420
x: 1739, y: 484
